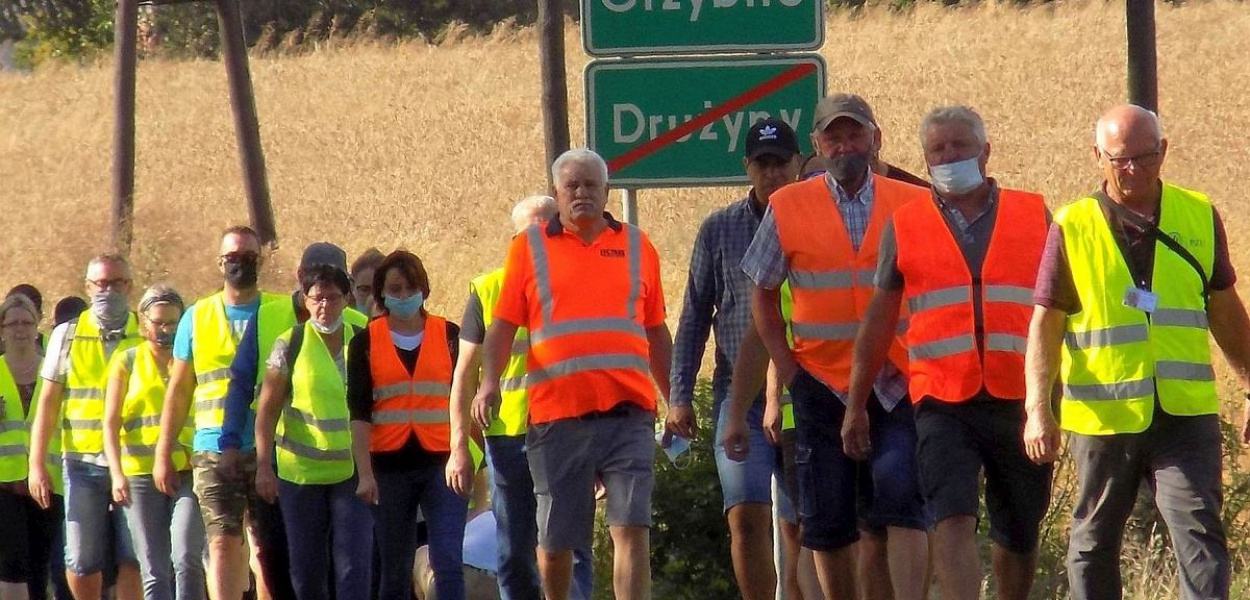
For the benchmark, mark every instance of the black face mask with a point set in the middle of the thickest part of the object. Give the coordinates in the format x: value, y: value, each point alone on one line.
x: 241, y: 273
x: 847, y: 167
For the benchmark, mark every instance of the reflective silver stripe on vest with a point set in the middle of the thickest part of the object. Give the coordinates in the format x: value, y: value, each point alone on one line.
x: 1012, y: 294
x: 513, y: 384
x: 406, y: 388
x: 1005, y: 342
x: 542, y: 270
x: 402, y: 417
x: 1179, y: 317
x: 82, y: 424
x: 7, y: 426
x: 139, y: 450
x: 306, y: 451
x: 210, y: 404
x: 825, y: 331
x: 634, y: 252
x: 84, y: 394
x: 141, y: 422
x: 583, y: 364
x: 1171, y: 369
x: 939, y: 298
x: 573, y: 326
x: 902, y: 326
x: 324, y: 425
x: 1111, y: 336
x: 211, y: 376
x: 13, y: 450
x: 1123, y: 390
x: 840, y: 279
x: 520, y: 346
x: 943, y: 348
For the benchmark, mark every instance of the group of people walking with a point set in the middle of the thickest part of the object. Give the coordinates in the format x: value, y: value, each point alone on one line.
x: 883, y: 345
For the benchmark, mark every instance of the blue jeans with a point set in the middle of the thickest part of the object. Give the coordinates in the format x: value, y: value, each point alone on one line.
x: 750, y: 481
x: 88, y: 498
x: 311, y: 512
x: 399, y: 495
x: 515, y: 508
x: 169, y: 540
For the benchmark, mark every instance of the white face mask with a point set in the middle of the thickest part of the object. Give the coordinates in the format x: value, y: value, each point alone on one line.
x: 326, y: 329
x: 958, y: 177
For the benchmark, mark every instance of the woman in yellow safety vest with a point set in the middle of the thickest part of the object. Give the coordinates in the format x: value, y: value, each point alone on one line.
x: 168, y: 533
x: 26, y: 531
x: 302, y: 425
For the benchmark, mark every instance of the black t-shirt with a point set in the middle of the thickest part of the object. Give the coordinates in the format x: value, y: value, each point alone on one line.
x: 360, y: 400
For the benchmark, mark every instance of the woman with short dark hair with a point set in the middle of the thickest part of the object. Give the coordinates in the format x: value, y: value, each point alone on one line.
x: 399, y: 387
x: 304, y: 401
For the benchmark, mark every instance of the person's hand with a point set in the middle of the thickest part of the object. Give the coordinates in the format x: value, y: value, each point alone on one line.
x: 735, y: 440
x: 855, y: 442
x: 483, y: 407
x: 367, y: 489
x: 1041, y: 437
x: 460, y: 471
x: 40, y: 485
x: 772, y: 422
x: 229, y: 463
x: 266, y: 483
x: 121, y: 490
x: 681, y: 421
x: 164, y: 474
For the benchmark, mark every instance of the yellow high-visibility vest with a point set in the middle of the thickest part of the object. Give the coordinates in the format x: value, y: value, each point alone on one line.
x: 82, y: 401
x: 213, y: 346
x: 141, y: 414
x: 14, y: 438
x: 1116, y: 357
x: 514, y: 404
x: 314, y: 437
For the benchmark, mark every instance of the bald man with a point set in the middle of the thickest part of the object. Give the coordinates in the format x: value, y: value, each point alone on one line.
x: 1132, y: 279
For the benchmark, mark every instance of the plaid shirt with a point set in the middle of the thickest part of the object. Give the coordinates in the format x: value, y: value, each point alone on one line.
x: 717, y: 300
x: 766, y: 264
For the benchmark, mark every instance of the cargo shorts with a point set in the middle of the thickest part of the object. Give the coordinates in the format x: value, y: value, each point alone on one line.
x: 225, y: 498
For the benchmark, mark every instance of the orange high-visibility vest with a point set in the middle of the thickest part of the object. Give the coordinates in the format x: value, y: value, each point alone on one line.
x: 587, y: 312
x: 831, y: 282
x: 417, y: 402
x: 945, y: 362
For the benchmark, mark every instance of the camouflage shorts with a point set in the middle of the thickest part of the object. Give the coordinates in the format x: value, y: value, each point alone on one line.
x: 225, y: 499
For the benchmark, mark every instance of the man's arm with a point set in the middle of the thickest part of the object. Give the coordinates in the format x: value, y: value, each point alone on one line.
x: 173, y: 415
x: 1231, y: 328
x: 771, y: 328
x: 693, y: 328
x: 496, y: 350
x: 242, y: 388
x: 750, y: 370
x: 872, y: 346
x: 1041, y: 372
x: 463, y: 386
x: 661, y: 348
x: 47, y: 410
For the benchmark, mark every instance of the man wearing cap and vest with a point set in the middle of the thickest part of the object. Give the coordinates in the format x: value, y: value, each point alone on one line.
x: 821, y: 234
x: 208, y: 336
x: 588, y: 290
x: 1133, y: 278
x: 965, y: 261
x: 75, y: 370
x: 717, y: 299
x: 512, y: 497
x: 265, y: 523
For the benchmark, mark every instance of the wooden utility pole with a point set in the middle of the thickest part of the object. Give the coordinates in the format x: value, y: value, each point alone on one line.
x: 555, y: 93
x: 242, y: 103
x: 1143, y: 70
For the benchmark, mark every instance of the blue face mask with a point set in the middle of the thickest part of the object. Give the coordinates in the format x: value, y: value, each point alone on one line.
x: 958, y: 177
x: 405, y: 308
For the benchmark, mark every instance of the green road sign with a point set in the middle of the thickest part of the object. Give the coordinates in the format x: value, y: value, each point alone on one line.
x: 631, y: 27
x: 681, y: 122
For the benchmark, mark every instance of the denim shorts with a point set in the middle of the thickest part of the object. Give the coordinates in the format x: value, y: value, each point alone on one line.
x: 91, y: 520
x: 750, y: 481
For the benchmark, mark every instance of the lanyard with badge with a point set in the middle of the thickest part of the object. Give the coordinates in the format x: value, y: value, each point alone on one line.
x: 1138, y: 296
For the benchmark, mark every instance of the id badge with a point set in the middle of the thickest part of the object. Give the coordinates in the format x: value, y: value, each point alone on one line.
x: 1143, y: 300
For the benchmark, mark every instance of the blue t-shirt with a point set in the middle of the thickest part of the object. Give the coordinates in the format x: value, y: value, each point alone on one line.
x: 207, y: 440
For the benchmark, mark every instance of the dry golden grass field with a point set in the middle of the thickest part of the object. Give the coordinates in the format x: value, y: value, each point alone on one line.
x: 427, y: 146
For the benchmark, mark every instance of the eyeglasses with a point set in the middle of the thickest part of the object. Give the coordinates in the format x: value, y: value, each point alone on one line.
x: 325, y: 300
x: 239, y: 257
x: 1145, y: 160
x: 110, y: 284
x: 163, y: 324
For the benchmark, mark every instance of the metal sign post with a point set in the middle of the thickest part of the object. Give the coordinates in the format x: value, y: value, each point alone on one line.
x: 629, y: 205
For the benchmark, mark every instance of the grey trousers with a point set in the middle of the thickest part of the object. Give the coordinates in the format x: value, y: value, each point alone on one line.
x: 1181, y: 460
x: 168, y: 534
